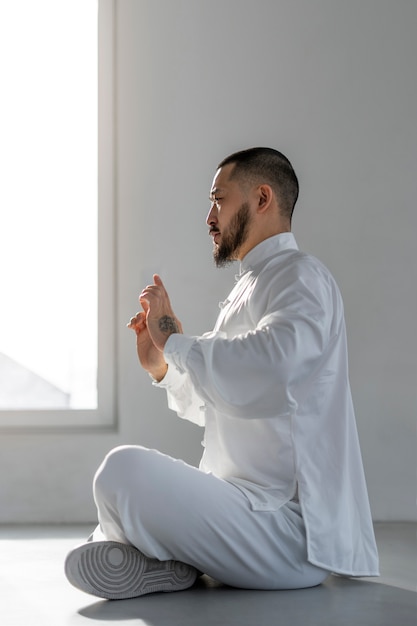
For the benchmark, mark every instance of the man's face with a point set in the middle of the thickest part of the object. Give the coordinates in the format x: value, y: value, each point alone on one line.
x: 229, y: 218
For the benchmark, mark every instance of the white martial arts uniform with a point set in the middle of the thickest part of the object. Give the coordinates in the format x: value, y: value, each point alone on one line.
x: 280, y: 498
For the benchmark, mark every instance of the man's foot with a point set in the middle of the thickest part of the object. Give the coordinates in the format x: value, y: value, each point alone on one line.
x: 118, y: 571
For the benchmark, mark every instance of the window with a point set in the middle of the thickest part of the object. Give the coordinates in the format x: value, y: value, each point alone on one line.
x: 56, y: 331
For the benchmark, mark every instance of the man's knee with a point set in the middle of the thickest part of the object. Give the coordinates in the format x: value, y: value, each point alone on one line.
x: 118, y: 466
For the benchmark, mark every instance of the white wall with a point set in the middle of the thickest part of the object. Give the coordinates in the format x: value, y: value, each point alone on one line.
x: 332, y: 85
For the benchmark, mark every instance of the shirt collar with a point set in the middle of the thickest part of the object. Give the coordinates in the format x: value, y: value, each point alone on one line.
x: 267, y: 248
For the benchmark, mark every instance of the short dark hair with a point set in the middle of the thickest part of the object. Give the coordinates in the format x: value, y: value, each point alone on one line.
x: 266, y: 165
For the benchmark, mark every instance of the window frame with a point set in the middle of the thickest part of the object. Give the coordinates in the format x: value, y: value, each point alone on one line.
x: 105, y: 415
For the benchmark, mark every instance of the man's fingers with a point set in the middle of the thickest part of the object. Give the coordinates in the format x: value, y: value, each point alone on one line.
x: 144, y: 302
x: 138, y: 321
x: 158, y: 286
x: 152, y: 294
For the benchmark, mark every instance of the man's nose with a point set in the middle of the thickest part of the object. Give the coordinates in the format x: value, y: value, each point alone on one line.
x: 212, y: 215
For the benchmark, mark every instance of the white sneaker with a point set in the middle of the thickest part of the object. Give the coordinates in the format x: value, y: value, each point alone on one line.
x: 118, y: 571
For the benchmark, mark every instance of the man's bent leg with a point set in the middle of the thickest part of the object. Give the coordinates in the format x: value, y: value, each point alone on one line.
x: 172, y: 511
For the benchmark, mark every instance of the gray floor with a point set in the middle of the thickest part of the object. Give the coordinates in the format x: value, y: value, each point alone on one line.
x: 34, y: 591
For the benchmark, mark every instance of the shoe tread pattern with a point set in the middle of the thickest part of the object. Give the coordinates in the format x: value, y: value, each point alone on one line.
x: 118, y: 571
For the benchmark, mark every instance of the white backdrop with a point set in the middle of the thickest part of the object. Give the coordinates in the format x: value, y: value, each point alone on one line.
x: 333, y: 85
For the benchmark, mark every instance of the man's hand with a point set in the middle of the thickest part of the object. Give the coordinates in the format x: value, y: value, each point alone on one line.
x: 153, y: 326
x: 151, y: 359
x: 161, y: 321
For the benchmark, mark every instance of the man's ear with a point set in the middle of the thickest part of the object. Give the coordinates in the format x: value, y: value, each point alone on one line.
x: 265, y: 196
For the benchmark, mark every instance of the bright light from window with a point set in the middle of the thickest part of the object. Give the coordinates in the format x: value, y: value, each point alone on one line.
x: 48, y: 204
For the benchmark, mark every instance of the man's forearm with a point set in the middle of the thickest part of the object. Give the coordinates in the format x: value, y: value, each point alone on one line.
x: 159, y: 373
x: 168, y: 325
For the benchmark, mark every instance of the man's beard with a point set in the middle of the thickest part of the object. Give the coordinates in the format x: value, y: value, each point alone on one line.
x: 233, y: 238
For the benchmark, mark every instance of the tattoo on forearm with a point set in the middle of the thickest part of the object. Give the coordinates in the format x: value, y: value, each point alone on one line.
x: 168, y: 325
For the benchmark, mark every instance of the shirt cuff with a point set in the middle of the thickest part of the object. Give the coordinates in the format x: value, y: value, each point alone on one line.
x: 176, y: 351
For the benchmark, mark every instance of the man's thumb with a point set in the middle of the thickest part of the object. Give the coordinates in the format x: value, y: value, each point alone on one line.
x: 157, y: 280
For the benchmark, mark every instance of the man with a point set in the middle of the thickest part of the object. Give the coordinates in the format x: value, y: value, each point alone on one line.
x: 279, y: 500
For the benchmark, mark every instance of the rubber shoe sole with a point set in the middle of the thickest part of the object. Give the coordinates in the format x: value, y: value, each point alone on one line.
x: 117, y: 571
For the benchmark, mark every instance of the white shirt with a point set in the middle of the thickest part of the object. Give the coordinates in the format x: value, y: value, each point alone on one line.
x: 270, y: 385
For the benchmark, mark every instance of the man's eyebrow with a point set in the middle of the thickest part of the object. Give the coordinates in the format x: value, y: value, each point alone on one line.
x: 215, y: 191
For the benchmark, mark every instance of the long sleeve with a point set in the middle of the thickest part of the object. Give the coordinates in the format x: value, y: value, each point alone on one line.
x: 259, y: 373
x: 182, y: 396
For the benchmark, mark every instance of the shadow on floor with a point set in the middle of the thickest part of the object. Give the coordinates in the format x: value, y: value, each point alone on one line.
x: 337, y: 602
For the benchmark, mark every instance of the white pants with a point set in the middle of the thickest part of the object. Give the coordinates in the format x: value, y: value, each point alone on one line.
x: 171, y: 510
